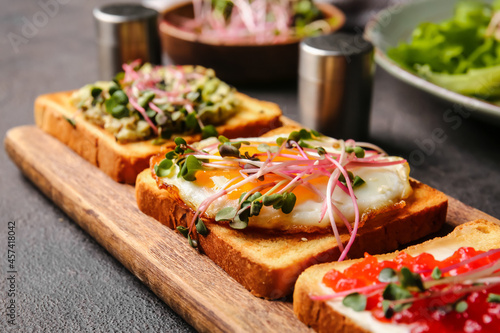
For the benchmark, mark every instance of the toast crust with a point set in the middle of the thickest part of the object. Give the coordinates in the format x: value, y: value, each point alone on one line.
x: 122, y: 162
x: 268, y: 264
x: 480, y: 234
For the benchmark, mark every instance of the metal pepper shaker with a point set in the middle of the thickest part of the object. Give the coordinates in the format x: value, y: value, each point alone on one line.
x: 126, y: 32
x: 335, y: 84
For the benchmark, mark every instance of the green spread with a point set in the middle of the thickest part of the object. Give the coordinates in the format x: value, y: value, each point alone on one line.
x: 146, y: 102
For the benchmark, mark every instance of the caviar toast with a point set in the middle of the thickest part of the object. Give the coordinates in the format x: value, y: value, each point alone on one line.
x: 264, y: 209
x: 118, y: 125
x: 448, y: 284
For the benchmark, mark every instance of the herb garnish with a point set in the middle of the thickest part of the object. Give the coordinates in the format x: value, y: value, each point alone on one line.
x: 401, y: 288
x: 146, y: 102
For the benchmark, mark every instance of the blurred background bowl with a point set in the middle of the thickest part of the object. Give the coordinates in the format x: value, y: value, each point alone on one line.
x: 242, y: 62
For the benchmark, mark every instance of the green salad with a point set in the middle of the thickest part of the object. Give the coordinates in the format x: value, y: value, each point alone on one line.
x: 461, y: 54
x: 147, y: 102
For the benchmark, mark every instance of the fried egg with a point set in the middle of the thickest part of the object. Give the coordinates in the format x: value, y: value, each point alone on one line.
x: 384, y: 186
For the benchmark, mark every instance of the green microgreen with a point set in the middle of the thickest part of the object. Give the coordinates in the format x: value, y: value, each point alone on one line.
x: 388, y: 275
x: 208, y: 131
x: 228, y: 148
x: 461, y: 306
x: 316, y: 133
x: 356, y: 181
x: 120, y: 111
x: 192, y: 242
x: 222, y: 139
x: 180, y: 141
x: 183, y: 231
x: 321, y: 151
x: 191, y: 121
x: 493, y: 298
x: 158, y: 141
x: 300, y: 137
x: 272, y: 199
x: 289, y: 200
x: 193, y: 96
x: 436, y: 273
x: 150, y: 113
x: 120, y: 97
x: 280, y: 141
x: 225, y: 214
x: 160, y: 119
x: 189, y: 168
x: 201, y: 228
x: 252, y: 205
x: 147, y: 97
x: 119, y: 76
x: 393, y: 292
x: 409, y: 279
x: 95, y: 92
x: 355, y: 301
x: 358, y: 151
x: 238, y: 223
x: 387, y: 309
x: 164, y: 168
x: 171, y: 155
x: 114, y: 87
x: 70, y: 121
x: 115, y: 108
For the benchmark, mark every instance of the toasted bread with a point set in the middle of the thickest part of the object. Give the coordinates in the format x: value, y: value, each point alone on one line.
x: 122, y: 162
x: 268, y: 264
x: 480, y: 234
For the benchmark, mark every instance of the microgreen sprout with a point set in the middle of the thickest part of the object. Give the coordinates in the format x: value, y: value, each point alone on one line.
x: 71, y: 121
x: 355, y: 301
x: 401, y: 288
x: 436, y: 273
x: 493, y: 298
x: 258, y: 21
x: 152, y: 102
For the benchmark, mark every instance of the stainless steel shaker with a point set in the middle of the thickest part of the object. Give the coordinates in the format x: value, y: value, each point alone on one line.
x: 126, y: 32
x: 335, y: 84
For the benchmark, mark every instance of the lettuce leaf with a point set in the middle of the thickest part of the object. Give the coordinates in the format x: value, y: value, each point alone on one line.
x: 483, y: 83
x: 456, y: 53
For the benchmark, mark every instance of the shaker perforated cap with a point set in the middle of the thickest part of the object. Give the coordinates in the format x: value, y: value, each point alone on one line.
x: 126, y: 32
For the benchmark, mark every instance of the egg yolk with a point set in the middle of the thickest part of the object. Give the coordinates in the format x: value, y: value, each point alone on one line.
x: 205, y: 178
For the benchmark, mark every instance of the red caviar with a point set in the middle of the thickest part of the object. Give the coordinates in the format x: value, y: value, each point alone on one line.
x: 433, y: 314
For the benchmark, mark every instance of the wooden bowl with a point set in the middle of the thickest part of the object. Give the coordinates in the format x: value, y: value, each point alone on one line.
x: 240, y: 62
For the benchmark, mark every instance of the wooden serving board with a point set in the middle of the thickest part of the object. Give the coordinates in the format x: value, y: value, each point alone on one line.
x: 190, y: 283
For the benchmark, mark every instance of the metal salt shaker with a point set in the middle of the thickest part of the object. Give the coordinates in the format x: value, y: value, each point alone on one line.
x: 335, y: 84
x: 126, y: 32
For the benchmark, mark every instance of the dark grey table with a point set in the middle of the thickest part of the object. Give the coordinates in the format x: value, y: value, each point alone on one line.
x: 66, y: 281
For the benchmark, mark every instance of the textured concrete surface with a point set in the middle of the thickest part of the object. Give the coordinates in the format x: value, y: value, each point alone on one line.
x: 67, y: 282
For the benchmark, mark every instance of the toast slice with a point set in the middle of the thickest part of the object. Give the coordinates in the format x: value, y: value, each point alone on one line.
x: 480, y: 234
x: 122, y: 162
x: 269, y: 264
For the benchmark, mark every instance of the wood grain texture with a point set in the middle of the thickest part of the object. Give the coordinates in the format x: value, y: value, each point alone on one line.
x: 191, y: 284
